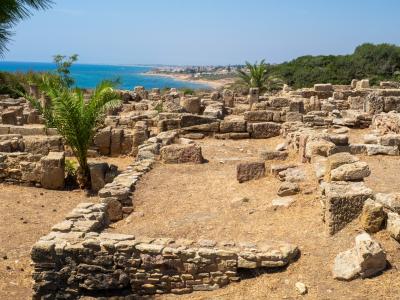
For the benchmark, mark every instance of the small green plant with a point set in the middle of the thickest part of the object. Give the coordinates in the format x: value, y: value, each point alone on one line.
x: 71, y: 171
x: 70, y: 168
x: 159, y: 107
x: 188, y: 91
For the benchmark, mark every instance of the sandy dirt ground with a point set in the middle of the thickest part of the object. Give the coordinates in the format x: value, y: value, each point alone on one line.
x: 27, y: 214
x: 197, y: 200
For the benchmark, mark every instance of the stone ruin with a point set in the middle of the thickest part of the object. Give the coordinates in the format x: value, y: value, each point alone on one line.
x: 78, y: 258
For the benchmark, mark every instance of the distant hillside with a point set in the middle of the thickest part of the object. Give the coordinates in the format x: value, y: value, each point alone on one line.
x: 376, y: 62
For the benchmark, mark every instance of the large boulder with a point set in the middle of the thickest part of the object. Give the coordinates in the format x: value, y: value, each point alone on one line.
x: 176, y: 153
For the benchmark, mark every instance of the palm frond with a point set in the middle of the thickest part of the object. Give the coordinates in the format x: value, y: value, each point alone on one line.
x: 75, y: 117
x: 13, y: 11
x: 257, y: 75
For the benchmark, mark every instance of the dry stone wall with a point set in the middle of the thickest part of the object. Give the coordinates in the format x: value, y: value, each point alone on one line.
x: 79, y: 258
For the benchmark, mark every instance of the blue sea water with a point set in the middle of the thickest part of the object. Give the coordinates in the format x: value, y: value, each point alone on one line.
x: 88, y: 76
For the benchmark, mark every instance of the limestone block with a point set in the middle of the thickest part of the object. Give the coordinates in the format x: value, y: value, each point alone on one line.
x: 53, y: 172
x: 263, y: 130
x: 246, y: 171
x: 372, y: 216
x: 189, y: 153
x: 343, y: 202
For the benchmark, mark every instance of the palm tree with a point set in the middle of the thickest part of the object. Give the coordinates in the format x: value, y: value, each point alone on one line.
x: 258, y: 76
x: 13, y: 11
x: 76, y: 119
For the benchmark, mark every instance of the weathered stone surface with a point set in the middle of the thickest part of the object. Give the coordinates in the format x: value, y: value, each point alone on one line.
x: 336, y: 160
x: 371, y: 256
x: 53, y: 172
x: 294, y: 117
x: 228, y: 98
x: 351, y: 172
x: 301, y: 288
x: 97, y: 175
x: 366, y: 259
x: 232, y: 125
x: 214, y: 110
x: 263, y: 130
x: 319, y: 147
x: 393, y: 225
x: 288, y: 189
x: 188, y: 120
x: 273, y: 155
x: 379, y: 149
x: 259, y: 116
x: 116, y: 141
x: 292, y: 175
x: 390, y: 140
x: 372, y: 216
x: 114, y: 209
x: 246, y: 171
x: 346, y: 265
x: 102, y: 140
x: 191, y: 104
x: 282, y: 202
x: 174, y: 154
x: 343, y: 202
x: 323, y: 87
x: 390, y: 201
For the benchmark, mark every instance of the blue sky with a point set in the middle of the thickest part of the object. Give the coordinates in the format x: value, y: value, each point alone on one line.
x: 203, y: 32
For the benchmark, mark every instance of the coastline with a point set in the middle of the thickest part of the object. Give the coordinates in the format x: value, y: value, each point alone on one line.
x: 214, y: 84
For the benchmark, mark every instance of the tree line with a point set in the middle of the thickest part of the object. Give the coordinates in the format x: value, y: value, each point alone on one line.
x: 375, y: 62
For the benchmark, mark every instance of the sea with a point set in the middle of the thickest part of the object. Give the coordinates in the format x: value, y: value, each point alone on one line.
x: 88, y: 76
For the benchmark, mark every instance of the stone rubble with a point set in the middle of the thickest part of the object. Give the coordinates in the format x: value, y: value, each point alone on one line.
x: 366, y: 259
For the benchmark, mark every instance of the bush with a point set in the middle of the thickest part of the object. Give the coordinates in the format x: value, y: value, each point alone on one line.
x: 13, y: 84
x: 188, y: 91
x: 376, y: 62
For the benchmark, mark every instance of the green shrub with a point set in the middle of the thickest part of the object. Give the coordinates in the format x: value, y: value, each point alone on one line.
x: 159, y: 107
x: 188, y: 91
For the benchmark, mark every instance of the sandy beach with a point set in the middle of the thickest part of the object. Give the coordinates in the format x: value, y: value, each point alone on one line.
x: 214, y: 84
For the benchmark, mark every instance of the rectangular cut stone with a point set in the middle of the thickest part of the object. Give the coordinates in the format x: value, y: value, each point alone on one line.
x: 343, y: 202
x: 250, y: 170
